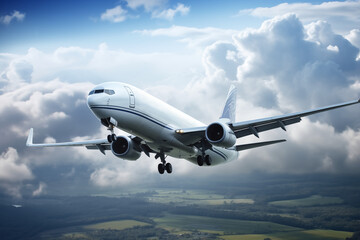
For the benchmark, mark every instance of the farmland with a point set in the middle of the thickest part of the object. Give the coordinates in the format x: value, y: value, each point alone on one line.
x: 267, y: 208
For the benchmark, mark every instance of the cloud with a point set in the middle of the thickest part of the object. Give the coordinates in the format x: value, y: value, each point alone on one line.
x: 7, y: 19
x: 147, y: 4
x: 116, y: 14
x: 193, y: 37
x: 169, y: 14
x: 354, y: 37
x: 157, y: 8
x: 40, y: 190
x: 13, y: 172
x: 342, y: 15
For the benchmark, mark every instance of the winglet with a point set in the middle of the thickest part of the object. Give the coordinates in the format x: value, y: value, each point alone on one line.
x: 230, y: 104
x: 29, y: 141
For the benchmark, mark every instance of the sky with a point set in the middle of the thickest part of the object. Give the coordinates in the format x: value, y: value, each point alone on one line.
x: 283, y: 57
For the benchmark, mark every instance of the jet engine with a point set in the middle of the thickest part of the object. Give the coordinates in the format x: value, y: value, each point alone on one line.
x: 220, y: 135
x: 123, y: 147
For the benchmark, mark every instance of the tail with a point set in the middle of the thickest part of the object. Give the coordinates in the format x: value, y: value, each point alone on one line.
x: 230, y: 105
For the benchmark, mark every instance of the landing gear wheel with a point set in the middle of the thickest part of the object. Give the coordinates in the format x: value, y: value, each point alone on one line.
x: 168, y: 168
x: 109, y: 138
x: 200, y: 160
x: 113, y: 137
x: 208, y: 160
x: 161, y: 168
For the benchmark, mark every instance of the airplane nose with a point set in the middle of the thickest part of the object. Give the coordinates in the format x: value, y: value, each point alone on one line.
x: 90, y: 101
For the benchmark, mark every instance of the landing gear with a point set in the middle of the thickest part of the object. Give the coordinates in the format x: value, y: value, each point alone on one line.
x: 161, y: 168
x: 201, y: 159
x: 208, y: 160
x: 163, y: 165
x: 111, y: 138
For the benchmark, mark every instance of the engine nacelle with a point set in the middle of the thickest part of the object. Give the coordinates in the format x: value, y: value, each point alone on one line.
x: 123, y: 148
x: 220, y: 135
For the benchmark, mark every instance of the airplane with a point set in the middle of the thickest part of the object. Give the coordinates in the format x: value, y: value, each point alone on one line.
x: 155, y: 127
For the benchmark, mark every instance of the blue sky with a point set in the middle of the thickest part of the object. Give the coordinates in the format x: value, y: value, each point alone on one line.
x: 282, y: 56
x: 48, y: 24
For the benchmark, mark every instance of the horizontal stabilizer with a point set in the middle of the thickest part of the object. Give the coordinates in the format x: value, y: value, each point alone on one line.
x: 255, y: 145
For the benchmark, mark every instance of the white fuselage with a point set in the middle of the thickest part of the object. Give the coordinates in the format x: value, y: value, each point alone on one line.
x: 151, y: 119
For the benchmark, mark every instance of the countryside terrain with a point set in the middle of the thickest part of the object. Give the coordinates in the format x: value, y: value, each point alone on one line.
x: 262, y: 207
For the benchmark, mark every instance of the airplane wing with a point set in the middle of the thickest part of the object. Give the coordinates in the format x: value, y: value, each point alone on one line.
x: 100, y: 144
x: 246, y: 128
x: 242, y: 129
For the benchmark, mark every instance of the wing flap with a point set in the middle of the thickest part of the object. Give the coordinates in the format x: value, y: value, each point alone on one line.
x: 255, y: 145
x: 258, y: 122
x: 265, y: 127
x: 254, y: 126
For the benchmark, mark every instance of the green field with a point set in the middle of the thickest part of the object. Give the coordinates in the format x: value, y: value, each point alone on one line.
x: 194, y: 197
x: 116, y: 225
x: 314, y: 200
x: 222, y: 226
x: 295, y: 235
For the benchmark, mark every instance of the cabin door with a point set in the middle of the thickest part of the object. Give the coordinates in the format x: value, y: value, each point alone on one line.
x: 131, y: 97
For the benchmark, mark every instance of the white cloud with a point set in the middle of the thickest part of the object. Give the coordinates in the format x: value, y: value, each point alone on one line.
x: 7, y: 19
x: 11, y: 169
x: 116, y: 14
x: 193, y: 37
x: 13, y: 172
x: 354, y: 37
x: 147, y: 4
x: 342, y: 15
x: 157, y: 8
x: 40, y: 190
x: 170, y: 13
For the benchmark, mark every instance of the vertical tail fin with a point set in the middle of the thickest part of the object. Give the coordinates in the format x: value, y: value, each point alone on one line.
x: 230, y: 104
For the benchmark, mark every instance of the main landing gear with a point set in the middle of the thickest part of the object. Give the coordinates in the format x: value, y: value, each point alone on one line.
x: 203, y: 158
x: 163, y: 166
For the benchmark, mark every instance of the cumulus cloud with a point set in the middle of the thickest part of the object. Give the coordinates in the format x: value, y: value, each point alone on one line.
x: 354, y: 37
x: 13, y: 172
x: 342, y: 15
x: 16, y: 15
x: 116, y: 14
x: 170, y: 13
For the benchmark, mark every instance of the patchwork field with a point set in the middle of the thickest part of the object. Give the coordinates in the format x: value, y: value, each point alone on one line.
x: 116, y: 225
x: 314, y: 200
x: 194, y: 197
x: 177, y: 223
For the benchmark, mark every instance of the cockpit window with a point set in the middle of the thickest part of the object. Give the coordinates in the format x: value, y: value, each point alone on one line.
x: 99, y: 91
x: 107, y: 91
